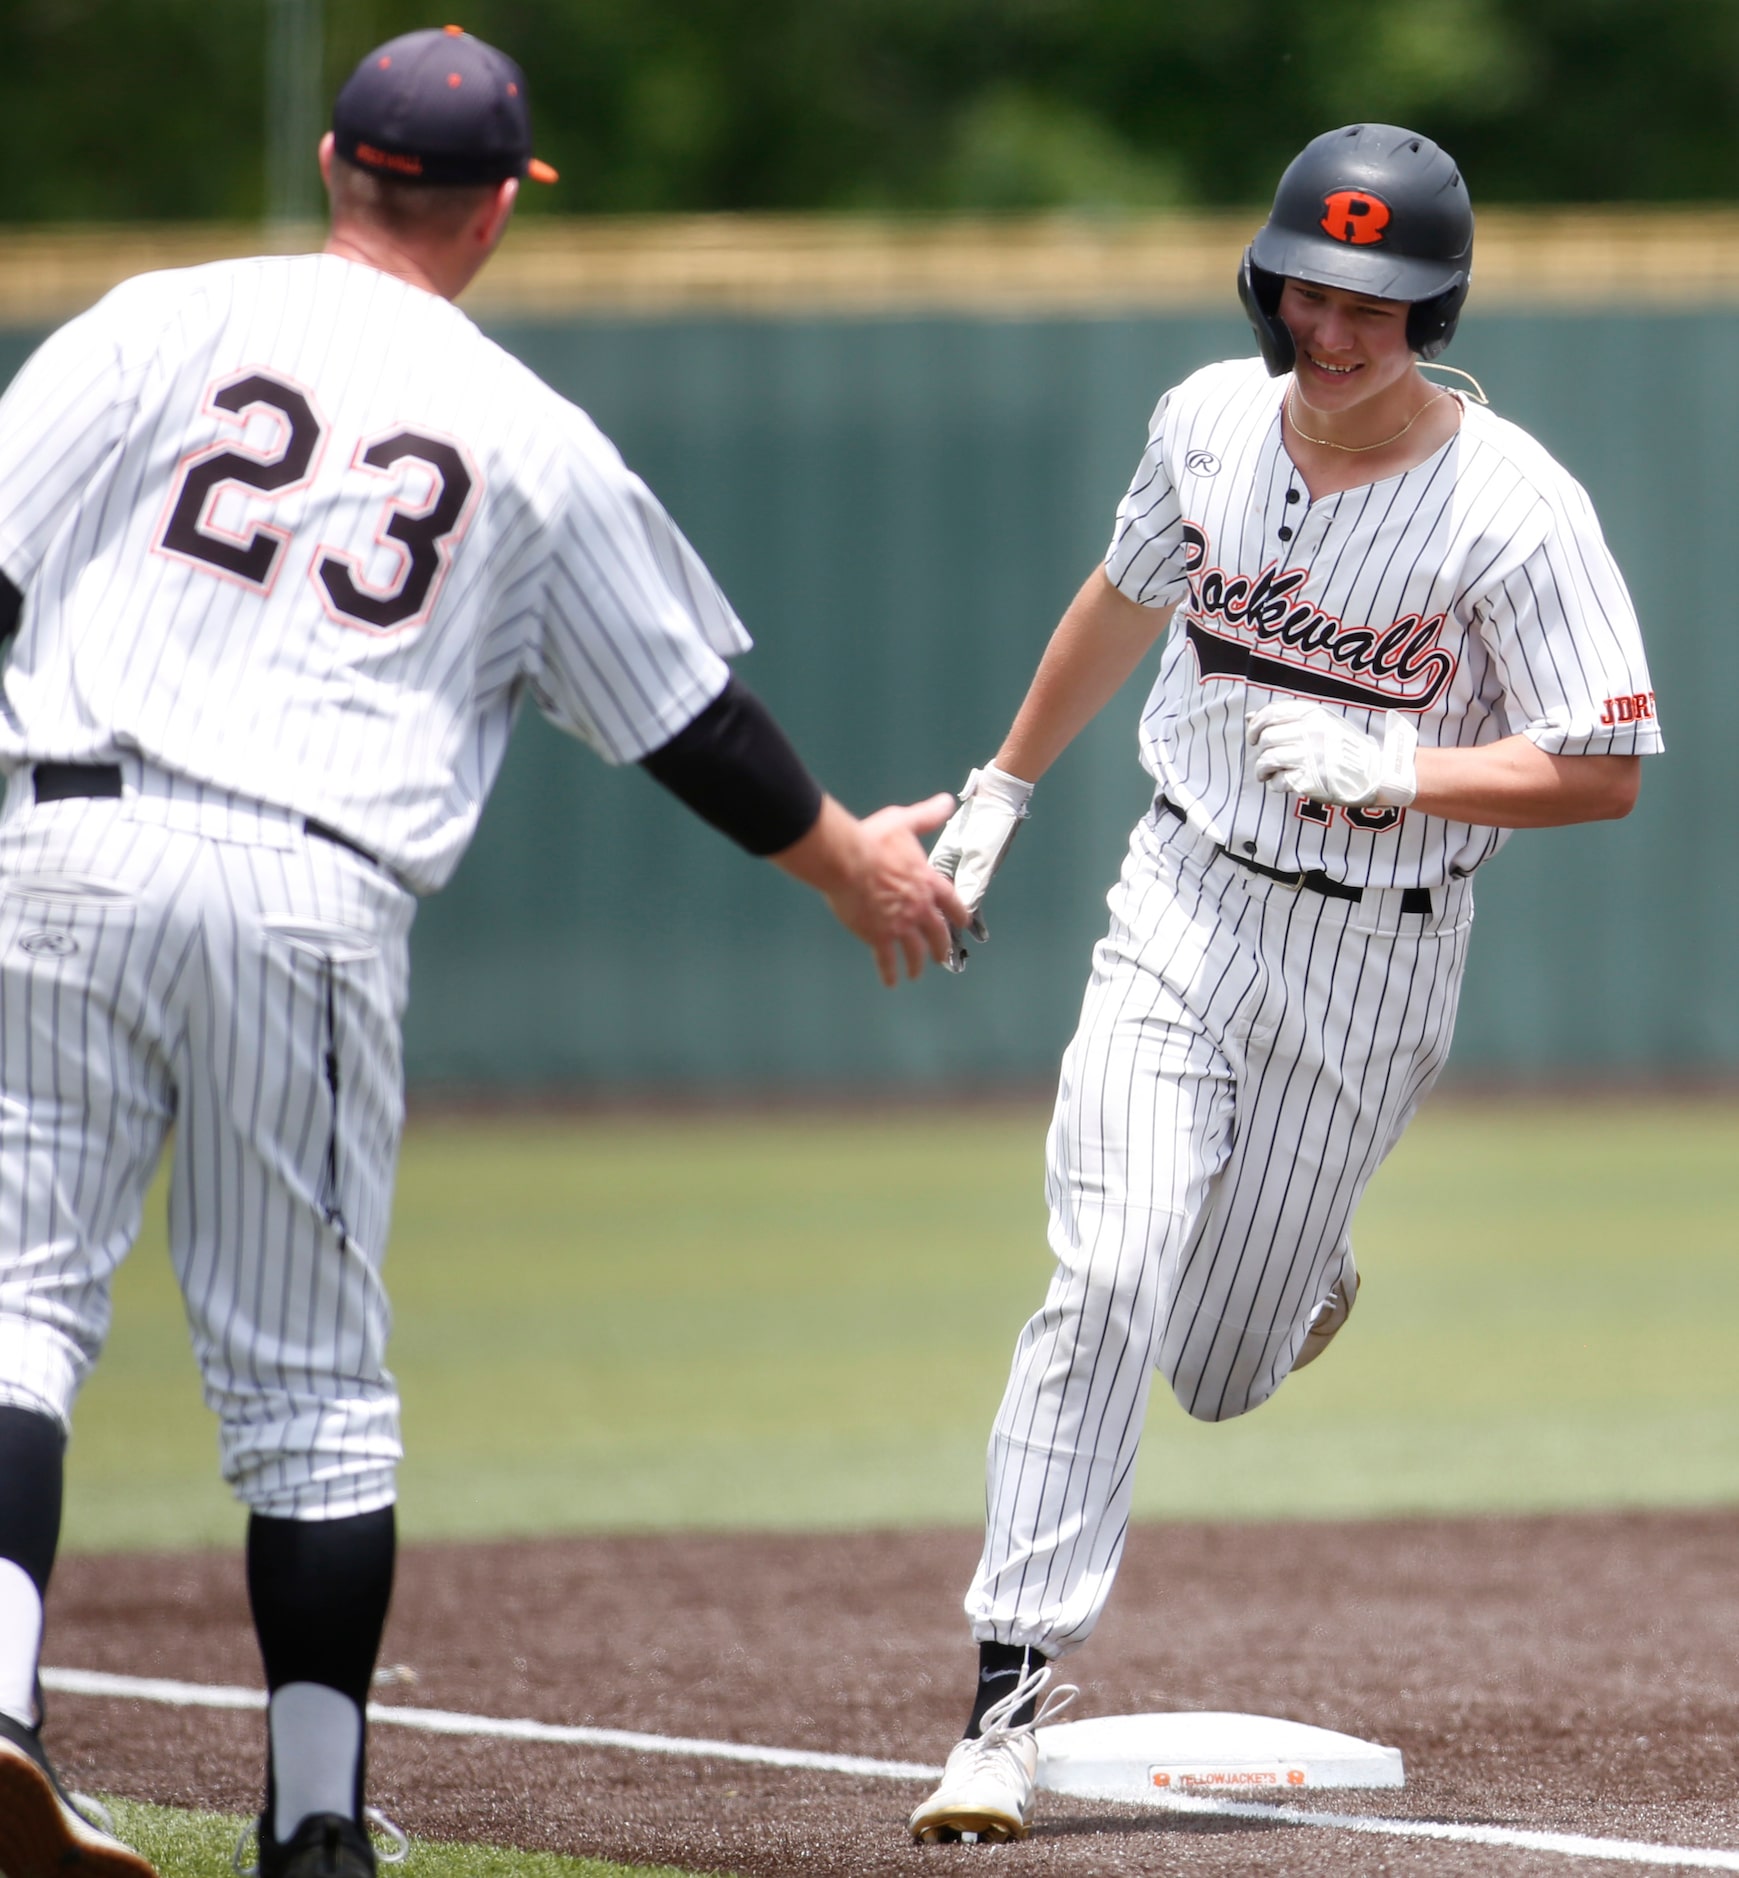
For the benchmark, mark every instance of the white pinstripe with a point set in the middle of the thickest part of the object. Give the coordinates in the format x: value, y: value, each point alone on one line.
x: 1247, y: 1054
x: 1248, y: 1051
x: 188, y: 954
x: 153, y: 976
x: 566, y: 582
x: 1489, y: 532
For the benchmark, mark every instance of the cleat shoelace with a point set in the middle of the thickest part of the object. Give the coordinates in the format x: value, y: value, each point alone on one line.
x: 999, y: 1734
x: 996, y: 1728
x: 93, y: 1812
x: 372, y: 1817
x: 395, y: 1835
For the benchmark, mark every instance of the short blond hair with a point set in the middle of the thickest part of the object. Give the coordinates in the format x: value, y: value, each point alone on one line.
x: 416, y: 209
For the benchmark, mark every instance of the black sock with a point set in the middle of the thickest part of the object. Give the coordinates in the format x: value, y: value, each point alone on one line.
x: 319, y: 1591
x: 32, y: 1468
x: 1000, y: 1667
x: 32, y: 1463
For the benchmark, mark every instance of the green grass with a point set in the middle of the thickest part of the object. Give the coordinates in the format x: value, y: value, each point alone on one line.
x: 194, y: 1845
x: 805, y: 1321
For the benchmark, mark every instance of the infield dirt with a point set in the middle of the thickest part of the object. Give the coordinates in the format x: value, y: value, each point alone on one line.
x: 1569, y: 1674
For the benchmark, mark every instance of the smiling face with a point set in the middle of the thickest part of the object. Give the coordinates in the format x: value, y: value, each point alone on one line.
x: 1354, y: 365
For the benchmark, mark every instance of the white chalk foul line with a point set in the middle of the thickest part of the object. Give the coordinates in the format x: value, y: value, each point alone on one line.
x: 446, y: 1722
x: 1571, y: 1844
x: 436, y: 1721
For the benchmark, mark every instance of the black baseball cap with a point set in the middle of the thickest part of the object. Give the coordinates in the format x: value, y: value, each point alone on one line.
x: 437, y: 106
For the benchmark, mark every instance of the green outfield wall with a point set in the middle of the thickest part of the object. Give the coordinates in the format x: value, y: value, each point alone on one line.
x: 900, y: 507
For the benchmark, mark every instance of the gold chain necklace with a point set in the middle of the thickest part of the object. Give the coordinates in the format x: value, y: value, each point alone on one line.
x: 1357, y: 449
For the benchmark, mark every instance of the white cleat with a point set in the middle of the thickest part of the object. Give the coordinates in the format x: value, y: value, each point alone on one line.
x: 1329, y: 1315
x: 986, y: 1795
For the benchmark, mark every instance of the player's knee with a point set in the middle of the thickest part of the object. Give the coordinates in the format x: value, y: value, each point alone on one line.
x: 292, y: 1458
x: 297, y: 1493
x: 42, y: 1368
x: 1204, y: 1408
x: 1214, y: 1392
x: 29, y: 1402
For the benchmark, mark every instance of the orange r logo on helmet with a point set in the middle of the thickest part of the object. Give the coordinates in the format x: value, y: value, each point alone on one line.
x: 1355, y: 215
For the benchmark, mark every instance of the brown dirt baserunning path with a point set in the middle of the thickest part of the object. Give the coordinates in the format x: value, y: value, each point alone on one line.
x: 1569, y: 1674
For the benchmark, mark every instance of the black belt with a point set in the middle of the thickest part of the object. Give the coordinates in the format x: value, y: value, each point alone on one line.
x: 1413, y: 899
x: 62, y: 782
x: 59, y: 782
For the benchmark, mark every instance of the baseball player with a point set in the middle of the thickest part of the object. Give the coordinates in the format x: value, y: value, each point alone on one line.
x: 285, y: 543
x: 1392, y: 634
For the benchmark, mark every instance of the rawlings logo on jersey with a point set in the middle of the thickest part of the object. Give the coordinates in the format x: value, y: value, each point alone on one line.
x: 1283, y: 643
x: 1355, y: 216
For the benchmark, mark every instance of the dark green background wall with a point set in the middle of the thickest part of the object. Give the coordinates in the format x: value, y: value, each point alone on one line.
x: 900, y: 508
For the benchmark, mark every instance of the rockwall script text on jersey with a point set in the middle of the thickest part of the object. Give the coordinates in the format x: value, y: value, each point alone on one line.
x: 1398, y: 667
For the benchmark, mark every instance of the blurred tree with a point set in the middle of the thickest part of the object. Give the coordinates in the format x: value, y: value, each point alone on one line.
x: 113, y: 109
x: 119, y: 109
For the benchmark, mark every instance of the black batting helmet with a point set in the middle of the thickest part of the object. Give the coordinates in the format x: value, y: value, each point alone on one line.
x: 1374, y: 209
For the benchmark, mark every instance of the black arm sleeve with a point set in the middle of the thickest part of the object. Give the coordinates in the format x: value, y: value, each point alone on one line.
x: 11, y: 605
x: 736, y: 768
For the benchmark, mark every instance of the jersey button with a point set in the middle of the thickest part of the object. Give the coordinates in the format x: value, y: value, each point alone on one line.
x: 1285, y: 534
x: 1292, y: 495
x: 1249, y: 847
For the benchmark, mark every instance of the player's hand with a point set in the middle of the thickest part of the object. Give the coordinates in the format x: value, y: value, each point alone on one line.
x: 877, y: 879
x: 1305, y: 749
x: 970, y: 849
x: 896, y: 902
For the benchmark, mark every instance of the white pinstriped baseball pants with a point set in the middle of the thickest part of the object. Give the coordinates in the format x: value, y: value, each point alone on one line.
x: 164, y: 961
x: 1247, y: 1054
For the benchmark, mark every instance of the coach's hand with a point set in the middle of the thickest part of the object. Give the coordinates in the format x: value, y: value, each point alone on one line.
x: 1305, y: 749
x: 878, y: 880
x: 970, y: 849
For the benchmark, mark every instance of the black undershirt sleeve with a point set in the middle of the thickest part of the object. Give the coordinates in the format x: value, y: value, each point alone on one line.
x: 11, y: 605
x: 735, y: 768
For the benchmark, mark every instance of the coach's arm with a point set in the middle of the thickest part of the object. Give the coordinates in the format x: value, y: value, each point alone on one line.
x: 735, y: 768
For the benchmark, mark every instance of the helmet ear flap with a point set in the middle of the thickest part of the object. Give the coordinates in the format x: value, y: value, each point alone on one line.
x: 1431, y: 323
x: 1259, y: 292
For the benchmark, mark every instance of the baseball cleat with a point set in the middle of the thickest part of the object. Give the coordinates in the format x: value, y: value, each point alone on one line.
x: 324, y: 1845
x: 1329, y: 1315
x: 44, y: 1831
x: 986, y: 1795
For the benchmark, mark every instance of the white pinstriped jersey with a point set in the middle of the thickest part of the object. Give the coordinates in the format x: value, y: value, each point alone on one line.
x: 1474, y: 591
x: 295, y: 529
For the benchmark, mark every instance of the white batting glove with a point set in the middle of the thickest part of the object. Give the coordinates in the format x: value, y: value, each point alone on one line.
x: 1305, y: 749
x: 970, y: 848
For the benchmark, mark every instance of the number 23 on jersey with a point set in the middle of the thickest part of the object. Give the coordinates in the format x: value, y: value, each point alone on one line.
x: 421, y: 518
